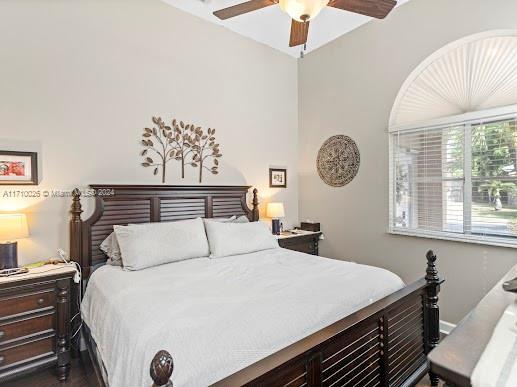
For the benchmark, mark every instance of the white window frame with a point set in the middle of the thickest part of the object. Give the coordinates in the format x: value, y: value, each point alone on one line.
x: 467, y: 120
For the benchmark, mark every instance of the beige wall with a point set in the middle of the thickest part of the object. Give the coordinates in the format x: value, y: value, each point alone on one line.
x: 80, y: 79
x: 348, y: 87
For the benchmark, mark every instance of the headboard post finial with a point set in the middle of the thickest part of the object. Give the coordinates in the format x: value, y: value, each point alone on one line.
x: 76, y: 209
x: 255, y: 211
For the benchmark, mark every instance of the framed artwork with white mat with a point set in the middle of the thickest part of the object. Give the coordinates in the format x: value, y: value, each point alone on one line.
x: 18, y: 168
x: 277, y: 178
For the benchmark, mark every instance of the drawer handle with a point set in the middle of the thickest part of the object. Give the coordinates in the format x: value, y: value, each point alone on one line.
x: 41, y: 301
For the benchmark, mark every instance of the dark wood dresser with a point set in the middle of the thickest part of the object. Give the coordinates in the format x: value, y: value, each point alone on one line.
x: 35, y: 322
x: 305, y: 243
x: 455, y: 358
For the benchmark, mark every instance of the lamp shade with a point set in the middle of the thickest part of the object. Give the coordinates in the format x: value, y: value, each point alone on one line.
x: 302, y: 10
x: 13, y: 226
x: 275, y: 210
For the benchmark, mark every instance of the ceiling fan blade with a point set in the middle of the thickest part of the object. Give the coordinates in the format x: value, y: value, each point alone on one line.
x: 240, y: 9
x: 374, y: 8
x: 299, y: 33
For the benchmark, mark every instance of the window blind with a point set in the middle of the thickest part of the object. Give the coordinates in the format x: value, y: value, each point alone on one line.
x: 494, y: 178
x: 457, y: 181
x: 428, y: 176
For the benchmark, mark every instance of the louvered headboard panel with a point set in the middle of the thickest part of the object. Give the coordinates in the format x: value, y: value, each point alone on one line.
x: 124, y: 204
x: 116, y: 212
x: 224, y: 207
x: 183, y: 208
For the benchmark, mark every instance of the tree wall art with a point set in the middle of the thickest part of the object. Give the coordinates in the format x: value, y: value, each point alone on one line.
x: 187, y: 144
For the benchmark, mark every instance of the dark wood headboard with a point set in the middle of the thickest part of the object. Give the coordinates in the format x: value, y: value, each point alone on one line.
x: 124, y: 204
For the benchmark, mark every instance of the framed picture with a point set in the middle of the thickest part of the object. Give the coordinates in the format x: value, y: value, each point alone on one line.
x: 277, y: 178
x: 18, y: 168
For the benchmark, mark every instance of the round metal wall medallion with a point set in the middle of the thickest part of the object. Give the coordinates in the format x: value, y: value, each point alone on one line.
x: 338, y: 161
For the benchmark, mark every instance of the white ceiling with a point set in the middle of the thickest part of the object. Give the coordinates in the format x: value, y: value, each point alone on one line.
x: 272, y: 27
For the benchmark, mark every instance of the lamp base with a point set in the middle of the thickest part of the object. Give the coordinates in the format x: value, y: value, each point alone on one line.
x: 8, y: 255
x: 275, y: 226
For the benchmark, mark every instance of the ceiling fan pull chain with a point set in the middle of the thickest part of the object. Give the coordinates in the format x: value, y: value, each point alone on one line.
x: 302, y: 51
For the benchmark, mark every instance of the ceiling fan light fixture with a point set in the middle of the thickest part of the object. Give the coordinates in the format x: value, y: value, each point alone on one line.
x: 303, y: 10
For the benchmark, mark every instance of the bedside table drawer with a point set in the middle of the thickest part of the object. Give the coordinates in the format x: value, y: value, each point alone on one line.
x: 30, y: 326
x: 35, y: 322
x: 304, y: 243
x: 15, y: 354
x: 24, y: 303
x: 304, y: 247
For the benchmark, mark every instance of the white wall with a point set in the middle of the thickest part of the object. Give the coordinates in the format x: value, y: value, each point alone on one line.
x: 348, y: 87
x: 79, y: 80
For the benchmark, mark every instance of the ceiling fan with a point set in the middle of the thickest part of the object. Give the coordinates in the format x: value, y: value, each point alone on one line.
x: 303, y: 11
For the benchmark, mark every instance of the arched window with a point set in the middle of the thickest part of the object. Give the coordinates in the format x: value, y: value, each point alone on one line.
x: 453, y: 144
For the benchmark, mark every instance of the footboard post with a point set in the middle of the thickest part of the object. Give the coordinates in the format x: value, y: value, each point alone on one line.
x: 161, y: 369
x: 431, y: 310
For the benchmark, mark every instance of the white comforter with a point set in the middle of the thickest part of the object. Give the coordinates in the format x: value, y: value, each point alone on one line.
x: 216, y: 316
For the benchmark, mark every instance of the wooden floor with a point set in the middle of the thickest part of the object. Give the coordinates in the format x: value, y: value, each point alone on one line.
x: 78, y: 379
x: 48, y: 378
x: 425, y: 383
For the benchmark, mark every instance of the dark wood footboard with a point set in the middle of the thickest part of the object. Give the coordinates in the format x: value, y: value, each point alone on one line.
x: 384, y: 344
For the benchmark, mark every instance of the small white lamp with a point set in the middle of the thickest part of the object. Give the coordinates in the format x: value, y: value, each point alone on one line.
x: 275, y: 211
x: 12, y: 227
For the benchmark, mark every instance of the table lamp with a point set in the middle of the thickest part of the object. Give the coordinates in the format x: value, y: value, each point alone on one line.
x: 275, y: 211
x: 12, y: 227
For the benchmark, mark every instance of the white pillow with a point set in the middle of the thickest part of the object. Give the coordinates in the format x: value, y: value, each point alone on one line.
x: 238, y: 238
x: 241, y: 219
x: 222, y: 220
x: 233, y: 219
x: 158, y: 243
x: 111, y: 248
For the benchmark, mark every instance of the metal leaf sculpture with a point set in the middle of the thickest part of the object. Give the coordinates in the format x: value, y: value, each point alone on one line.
x: 204, y: 147
x: 180, y: 142
x: 164, y: 143
x: 158, y: 150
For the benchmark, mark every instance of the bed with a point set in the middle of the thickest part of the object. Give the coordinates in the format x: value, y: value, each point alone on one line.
x: 272, y: 318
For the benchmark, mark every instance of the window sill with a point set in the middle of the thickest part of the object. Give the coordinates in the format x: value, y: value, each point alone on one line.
x: 477, y: 239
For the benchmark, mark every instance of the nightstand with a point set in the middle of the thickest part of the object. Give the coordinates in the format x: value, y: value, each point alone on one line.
x: 35, y: 321
x: 305, y: 243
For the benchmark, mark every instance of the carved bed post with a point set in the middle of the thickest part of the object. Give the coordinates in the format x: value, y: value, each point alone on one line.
x: 161, y: 369
x: 76, y: 224
x: 76, y: 228
x: 431, y: 310
x: 255, y: 211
